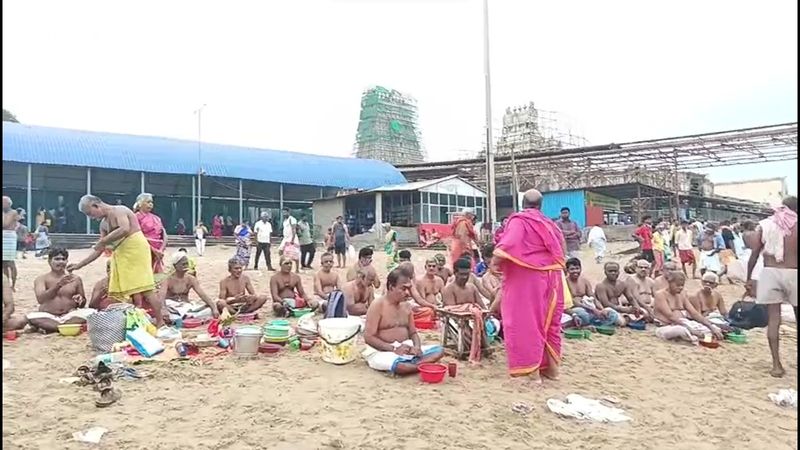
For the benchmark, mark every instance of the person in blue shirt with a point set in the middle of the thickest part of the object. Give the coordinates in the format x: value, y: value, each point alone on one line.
x: 486, y: 255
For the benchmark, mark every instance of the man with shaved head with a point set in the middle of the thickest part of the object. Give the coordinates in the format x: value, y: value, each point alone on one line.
x: 530, y: 249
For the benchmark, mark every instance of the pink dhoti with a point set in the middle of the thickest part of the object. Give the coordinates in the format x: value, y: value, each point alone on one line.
x: 534, y: 289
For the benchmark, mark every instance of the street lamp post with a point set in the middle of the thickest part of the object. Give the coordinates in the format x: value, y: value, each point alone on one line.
x: 491, y: 206
x: 199, y: 112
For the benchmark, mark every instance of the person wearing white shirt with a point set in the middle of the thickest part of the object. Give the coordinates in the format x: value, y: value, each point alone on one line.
x: 263, y: 230
x: 290, y: 245
x: 597, y: 241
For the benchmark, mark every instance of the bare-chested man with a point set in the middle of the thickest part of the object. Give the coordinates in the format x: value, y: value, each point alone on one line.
x: 460, y: 291
x: 175, y: 289
x: 236, y: 292
x: 10, y: 223
x: 10, y: 321
x: 100, y: 299
x: 662, y: 281
x: 393, y: 344
x: 364, y: 261
x: 643, y: 285
x: 60, y: 295
x: 430, y: 285
x: 286, y: 287
x: 444, y: 272
x: 131, y: 262
x: 677, y: 317
x: 609, y: 291
x: 776, y: 240
x: 325, y: 281
x: 709, y: 302
x: 359, y: 293
x: 586, y: 310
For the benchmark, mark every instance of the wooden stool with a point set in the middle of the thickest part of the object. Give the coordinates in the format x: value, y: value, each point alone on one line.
x: 460, y: 348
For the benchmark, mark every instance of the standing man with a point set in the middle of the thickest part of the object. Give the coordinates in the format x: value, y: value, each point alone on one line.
x: 10, y: 222
x: 464, y: 236
x: 531, y: 253
x: 597, y: 241
x: 131, y: 264
x: 341, y: 239
x: 644, y: 236
x: 307, y: 249
x: 776, y: 239
x: 683, y: 241
x: 263, y: 230
x: 572, y: 234
x: 290, y: 239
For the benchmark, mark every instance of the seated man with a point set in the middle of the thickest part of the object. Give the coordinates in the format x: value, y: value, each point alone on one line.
x: 192, y: 264
x: 642, y: 285
x: 60, y: 295
x: 461, y: 296
x: 444, y: 272
x: 359, y: 293
x: 677, y: 317
x: 586, y: 309
x: 364, y: 260
x: 236, y: 293
x: 709, y: 258
x: 430, y: 285
x: 662, y: 281
x: 609, y: 291
x: 392, y: 342
x: 287, y: 290
x: 461, y: 292
x: 100, y: 299
x: 174, y: 291
x: 404, y: 256
x: 326, y: 281
x: 708, y: 302
x: 10, y: 321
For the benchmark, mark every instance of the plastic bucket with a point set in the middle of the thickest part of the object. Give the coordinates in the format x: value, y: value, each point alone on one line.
x: 246, y: 341
x: 338, y: 336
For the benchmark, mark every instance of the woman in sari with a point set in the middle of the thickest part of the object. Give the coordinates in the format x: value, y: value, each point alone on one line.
x: 152, y: 228
x: 216, y: 226
x: 390, y: 247
x: 243, y: 236
x: 530, y: 253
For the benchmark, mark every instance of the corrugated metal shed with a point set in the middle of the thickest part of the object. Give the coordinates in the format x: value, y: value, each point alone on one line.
x: 57, y: 146
x: 552, y: 202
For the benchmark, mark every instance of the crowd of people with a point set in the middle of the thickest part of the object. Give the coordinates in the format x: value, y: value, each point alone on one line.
x: 525, y: 282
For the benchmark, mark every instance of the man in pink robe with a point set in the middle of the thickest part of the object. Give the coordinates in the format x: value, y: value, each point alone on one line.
x: 530, y: 248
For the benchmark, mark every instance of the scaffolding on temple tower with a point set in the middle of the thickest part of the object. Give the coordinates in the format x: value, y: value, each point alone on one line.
x: 528, y: 129
x: 387, y: 128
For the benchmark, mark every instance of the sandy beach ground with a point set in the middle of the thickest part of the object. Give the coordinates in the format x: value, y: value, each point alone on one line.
x: 680, y: 396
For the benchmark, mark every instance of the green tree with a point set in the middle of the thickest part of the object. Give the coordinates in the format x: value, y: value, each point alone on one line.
x: 9, y: 117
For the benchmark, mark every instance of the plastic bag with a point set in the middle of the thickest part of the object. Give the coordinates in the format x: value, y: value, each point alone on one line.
x: 351, y: 253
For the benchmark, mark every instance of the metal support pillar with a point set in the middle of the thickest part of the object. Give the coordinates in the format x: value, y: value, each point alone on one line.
x: 281, y: 197
x: 194, y: 203
x: 241, y: 203
x: 88, y: 192
x: 141, y: 183
x: 29, y: 199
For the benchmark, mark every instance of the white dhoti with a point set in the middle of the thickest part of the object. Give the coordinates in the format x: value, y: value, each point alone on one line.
x: 388, y: 361
x: 82, y: 313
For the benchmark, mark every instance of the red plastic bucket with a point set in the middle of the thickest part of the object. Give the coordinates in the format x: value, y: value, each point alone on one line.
x: 432, y: 373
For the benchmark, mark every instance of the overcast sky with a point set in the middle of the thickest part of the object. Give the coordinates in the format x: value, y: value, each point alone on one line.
x: 289, y: 74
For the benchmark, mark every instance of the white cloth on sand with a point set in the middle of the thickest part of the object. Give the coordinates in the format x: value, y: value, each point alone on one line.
x: 82, y: 313
x: 785, y: 397
x: 583, y: 408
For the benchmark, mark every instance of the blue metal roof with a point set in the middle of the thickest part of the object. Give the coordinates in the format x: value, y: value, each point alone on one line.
x: 57, y: 146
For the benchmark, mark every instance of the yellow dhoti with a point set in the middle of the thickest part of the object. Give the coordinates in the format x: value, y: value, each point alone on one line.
x: 131, y: 268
